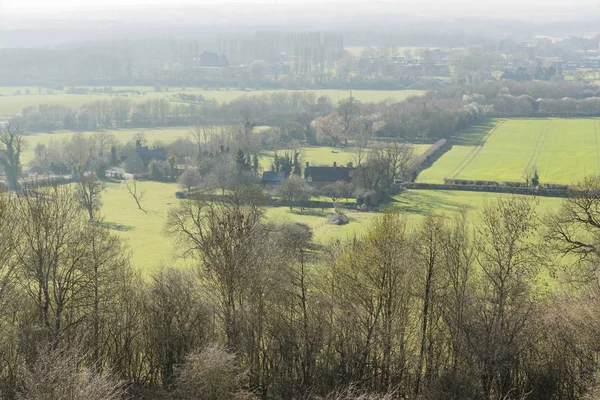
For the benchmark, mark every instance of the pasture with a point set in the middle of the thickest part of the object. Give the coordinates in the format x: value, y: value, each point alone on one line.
x: 164, y: 135
x: 325, y: 156
x: 153, y: 135
x: 11, y: 104
x: 561, y: 150
x: 150, y: 247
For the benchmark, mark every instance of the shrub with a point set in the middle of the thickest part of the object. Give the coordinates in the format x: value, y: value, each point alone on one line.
x: 62, y: 374
x: 210, y: 374
x: 338, y: 219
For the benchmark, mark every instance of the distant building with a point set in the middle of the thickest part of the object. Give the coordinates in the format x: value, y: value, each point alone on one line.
x: 272, y: 177
x: 114, y: 173
x: 148, y: 155
x: 139, y: 159
x: 327, y: 175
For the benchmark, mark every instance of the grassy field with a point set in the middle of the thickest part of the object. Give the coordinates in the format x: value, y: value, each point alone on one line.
x: 151, y: 248
x: 315, y: 155
x: 11, y: 104
x: 322, y: 155
x: 562, y: 150
x: 165, y: 135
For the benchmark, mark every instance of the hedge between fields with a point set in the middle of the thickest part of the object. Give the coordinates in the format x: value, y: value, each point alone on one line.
x: 432, y: 154
x: 509, y: 184
x: 531, y: 191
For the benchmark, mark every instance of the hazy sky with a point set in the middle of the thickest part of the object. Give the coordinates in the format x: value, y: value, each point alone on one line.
x: 17, y: 13
x: 409, y: 5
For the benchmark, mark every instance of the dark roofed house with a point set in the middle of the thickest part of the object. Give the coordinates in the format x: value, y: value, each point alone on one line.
x: 139, y: 159
x: 326, y: 175
x: 148, y: 155
x: 272, y: 177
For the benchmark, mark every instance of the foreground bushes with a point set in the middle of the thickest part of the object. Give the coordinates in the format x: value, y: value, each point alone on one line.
x: 439, y: 309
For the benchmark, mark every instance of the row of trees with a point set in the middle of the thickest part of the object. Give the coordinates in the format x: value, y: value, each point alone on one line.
x: 304, y: 117
x: 441, y: 309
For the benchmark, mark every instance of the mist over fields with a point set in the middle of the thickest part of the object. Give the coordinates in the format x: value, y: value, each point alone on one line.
x: 316, y: 200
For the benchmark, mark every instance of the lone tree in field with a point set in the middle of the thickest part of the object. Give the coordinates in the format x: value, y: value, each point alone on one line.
x: 89, y: 191
x: 294, y: 190
x: 11, y: 146
x: 337, y: 190
x: 189, y: 179
x: 137, y: 195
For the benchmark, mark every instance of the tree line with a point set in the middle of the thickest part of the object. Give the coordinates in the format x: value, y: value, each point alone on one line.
x: 443, y: 308
x: 306, y: 117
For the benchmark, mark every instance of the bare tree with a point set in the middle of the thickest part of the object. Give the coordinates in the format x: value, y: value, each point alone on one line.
x: 294, y: 190
x: 177, y: 320
x: 361, y: 148
x: 62, y: 374
x: 347, y: 110
x: 575, y: 228
x: 140, y: 137
x: 138, y: 195
x: 9, y: 239
x: 429, y: 256
x: 189, y: 178
x: 227, y: 239
x: 78, y: 151
x: 197, y: 133
x: 202, y: 134
x: 103, y: 141
x: 13, y: 144
x: 210, y: 374
x: 55, y: 243
x: 501, y: 323
x: 89, y: 192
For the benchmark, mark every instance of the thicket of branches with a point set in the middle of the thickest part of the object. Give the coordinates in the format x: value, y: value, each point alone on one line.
x: 439, y: 309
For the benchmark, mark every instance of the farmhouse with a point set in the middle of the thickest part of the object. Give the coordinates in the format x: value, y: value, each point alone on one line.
x: 327, y: 175
x: 272, y: 178
x: 139, y: 159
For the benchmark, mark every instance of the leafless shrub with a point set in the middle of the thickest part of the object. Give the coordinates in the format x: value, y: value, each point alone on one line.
x: 210, y: 374
x: 353, y: 393
x: 62, y: 375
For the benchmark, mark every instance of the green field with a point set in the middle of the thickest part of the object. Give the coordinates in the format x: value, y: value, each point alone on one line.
x: 11, y: 104
x: 323, y: 155
x: 151, y: 248
x: 165, y: 135
x: 562, y: 150
x: 315, y: 155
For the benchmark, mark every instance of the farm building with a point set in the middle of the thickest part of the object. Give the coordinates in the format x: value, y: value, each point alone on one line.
x: 114, y: 173
x: 272, y: 178
x: 327, y: 175
x: 138, y: 160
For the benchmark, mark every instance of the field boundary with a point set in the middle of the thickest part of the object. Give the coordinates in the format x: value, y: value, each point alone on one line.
x: 473, y: 153
x: 537, y: 151
x: 489, y: 189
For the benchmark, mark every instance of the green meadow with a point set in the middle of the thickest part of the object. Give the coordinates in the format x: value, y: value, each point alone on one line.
x: 164, y: 135
x: 324, y: 155
x: 11, y: 104
x: 150, y: 247
x: 561, y: 150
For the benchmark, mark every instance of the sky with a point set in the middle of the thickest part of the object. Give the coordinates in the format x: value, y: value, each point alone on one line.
x: 21, y: 13
x: 409, y: 5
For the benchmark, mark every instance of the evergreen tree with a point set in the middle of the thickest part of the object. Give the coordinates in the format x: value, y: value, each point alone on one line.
x: 241, y: 162
x: 297, y: 164
x: 255, y: 163
x: 113, y: 156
